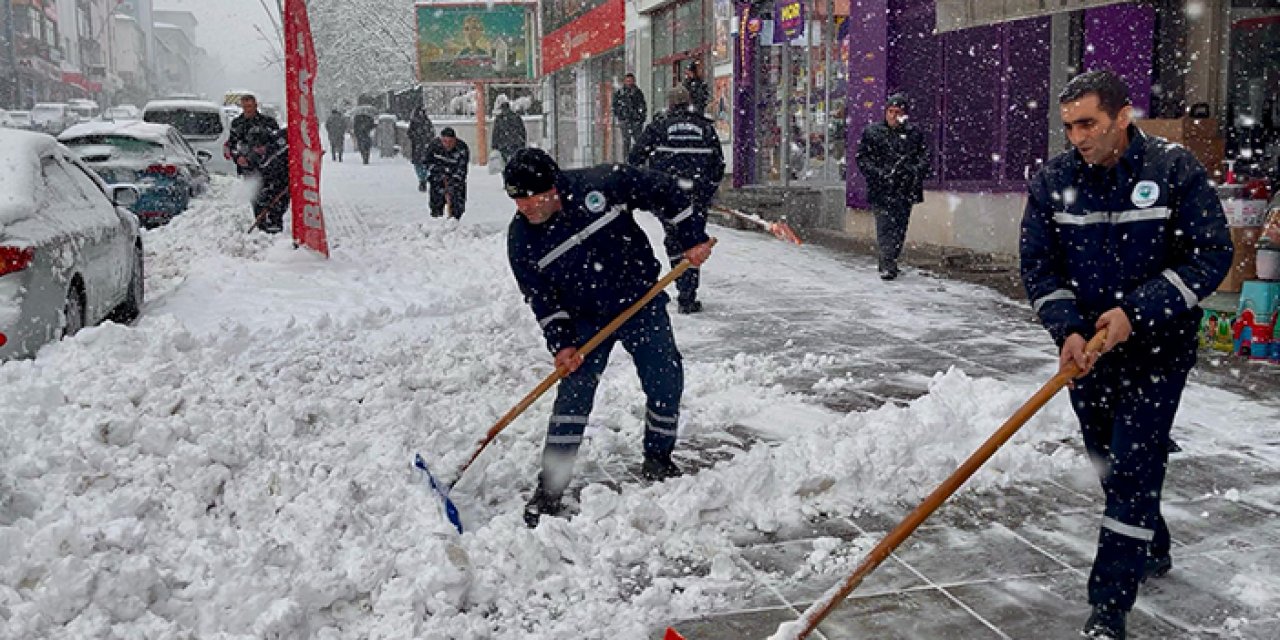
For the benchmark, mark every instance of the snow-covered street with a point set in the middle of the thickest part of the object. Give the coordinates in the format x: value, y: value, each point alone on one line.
x: 238, y: 464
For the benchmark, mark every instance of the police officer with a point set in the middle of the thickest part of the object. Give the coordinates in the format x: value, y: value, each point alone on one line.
x: 684, y: 144
x: 447, y: 161
x: 256, y: 145
x: 1122, y: 233
x: 580, y: 259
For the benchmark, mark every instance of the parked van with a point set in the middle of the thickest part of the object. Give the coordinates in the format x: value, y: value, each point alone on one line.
x: 52, y: 117
x: 201, y: 122
x: 84, y: 110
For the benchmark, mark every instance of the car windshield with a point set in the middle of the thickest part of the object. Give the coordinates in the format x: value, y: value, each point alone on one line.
x: 192, y: 124
x: 125, y: 144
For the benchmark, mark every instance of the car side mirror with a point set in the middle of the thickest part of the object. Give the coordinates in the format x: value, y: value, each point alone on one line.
x: 203, y: 155
x: 124, y: 195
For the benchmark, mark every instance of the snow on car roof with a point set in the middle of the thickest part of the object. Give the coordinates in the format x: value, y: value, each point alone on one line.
x: 151, y: 132
x: 19, y: 165
x: 193, y: 105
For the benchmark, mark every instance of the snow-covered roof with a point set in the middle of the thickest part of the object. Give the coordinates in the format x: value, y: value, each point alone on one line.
x: 19, y: 165
x: 148, y: 131
x: 190, y: 105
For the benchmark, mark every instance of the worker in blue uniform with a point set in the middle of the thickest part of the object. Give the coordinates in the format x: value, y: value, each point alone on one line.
x: 580, y: 260
x: 1123, y: 233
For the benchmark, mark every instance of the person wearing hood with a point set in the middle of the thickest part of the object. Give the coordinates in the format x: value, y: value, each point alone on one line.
x: 509, y: 134
x: 421, y: 133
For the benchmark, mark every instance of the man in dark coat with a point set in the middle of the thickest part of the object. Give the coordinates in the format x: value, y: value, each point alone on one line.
x: 699, y: 92
x: 447, y: 160
x: 1123, y: 233
x: 421, y: 133
x: 894, y: 159
x: 362, y: 126
x: 509, y: 134
x: 580, y: 259
x: 630, y: 110
x: 255, y: 144
x: 684, y: 144
x: 336, y: 126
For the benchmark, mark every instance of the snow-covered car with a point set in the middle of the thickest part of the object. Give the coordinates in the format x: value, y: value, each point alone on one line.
x: 69, y: 256
x: 154, y: 157
x: 122, y: 112
x: 84, y: 110
x: 19, y: 120
x: 201, y: 122
x: 52, y: 117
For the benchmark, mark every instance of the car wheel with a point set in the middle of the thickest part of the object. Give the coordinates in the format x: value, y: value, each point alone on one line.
x: 73, y: 311
x: 131, y: 308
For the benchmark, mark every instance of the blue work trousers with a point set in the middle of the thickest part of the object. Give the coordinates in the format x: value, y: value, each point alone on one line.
x: 1126, y: 412
x: 648, y: 337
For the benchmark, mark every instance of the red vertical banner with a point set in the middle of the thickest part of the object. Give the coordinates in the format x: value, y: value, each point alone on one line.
x: 305, y: 153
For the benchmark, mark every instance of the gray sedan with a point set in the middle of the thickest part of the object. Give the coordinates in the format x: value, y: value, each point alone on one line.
x: 69, y: 256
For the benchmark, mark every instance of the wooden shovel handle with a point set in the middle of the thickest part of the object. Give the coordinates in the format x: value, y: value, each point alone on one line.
x: 819, y: 610
x: 583, y: 351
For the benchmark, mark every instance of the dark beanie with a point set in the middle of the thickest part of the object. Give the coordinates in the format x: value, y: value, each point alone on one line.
x: 530, y: 172
x: 900, y: 100
x: 447, y: 132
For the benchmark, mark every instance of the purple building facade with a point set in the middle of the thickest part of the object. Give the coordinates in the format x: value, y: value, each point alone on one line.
x: 981, y: 95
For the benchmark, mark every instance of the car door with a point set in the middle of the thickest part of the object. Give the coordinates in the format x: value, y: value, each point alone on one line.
x: 186, y: 156
x: 97, y: 230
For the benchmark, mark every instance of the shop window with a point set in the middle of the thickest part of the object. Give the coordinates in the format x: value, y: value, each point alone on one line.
x: 688, y: 26
x: 663, y: 34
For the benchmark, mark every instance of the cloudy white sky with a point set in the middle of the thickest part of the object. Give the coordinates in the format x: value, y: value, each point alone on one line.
x: 228, y: 31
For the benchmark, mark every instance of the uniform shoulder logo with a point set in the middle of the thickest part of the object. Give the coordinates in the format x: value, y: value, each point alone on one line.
x: 1145, y: 194
x: 595, y: 202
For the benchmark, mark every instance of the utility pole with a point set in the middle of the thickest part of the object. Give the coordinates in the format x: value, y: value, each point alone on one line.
x: 11, y: 55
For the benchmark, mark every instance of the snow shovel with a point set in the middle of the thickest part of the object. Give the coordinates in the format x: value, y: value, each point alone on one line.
x: 450, y: 510
x: 780, y: 230
x: 265, y: 210
x: 818, y: 611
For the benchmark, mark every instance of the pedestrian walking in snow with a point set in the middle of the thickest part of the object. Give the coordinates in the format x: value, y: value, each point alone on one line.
x: 683, y: 144
x: 1123, y: 233
x: 362, y: 126
x: 509, y: 134
x: 580, y: 259
x: 447, y: 161
x: 421, y: 133
x: 256, y: 144
x: 699, y: 92
x: 894, y: 159
x: 336, y: 126
x: 630, y: 110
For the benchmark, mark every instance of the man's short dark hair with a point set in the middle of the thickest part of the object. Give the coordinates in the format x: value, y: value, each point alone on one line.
x: 1112, y: 92
x: 630, y: 75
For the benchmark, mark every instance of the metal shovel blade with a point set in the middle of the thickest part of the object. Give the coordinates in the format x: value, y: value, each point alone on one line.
x: 450, y: 510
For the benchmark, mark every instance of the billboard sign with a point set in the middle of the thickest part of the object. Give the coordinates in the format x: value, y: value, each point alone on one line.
x: 474, y: 41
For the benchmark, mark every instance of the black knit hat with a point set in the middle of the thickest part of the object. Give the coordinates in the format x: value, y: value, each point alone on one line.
x: 900, y: 100
x: 530, y: 172
x: 448, y: 132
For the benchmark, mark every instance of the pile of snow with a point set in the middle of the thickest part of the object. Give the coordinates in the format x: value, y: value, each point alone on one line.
x: 238, y: 463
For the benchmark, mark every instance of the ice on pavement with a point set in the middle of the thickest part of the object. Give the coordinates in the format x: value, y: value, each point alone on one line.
x: 238, y: 464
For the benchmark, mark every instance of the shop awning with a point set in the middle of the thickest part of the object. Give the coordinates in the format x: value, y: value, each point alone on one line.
x: 953, y: 15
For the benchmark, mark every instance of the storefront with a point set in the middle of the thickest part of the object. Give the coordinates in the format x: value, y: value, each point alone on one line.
x: 584, y: 60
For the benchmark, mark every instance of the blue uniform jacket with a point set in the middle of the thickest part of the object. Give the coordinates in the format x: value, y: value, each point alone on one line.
x: 590, y: 261
x: 1147, y: 235
x: 683, y: 144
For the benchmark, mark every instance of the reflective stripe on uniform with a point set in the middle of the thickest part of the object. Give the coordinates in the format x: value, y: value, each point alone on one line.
x: 1187, y: 294
x: 578, y: 237
x: 684, y: 215
x: 1060, y: 294
x: 564, y: 439
x: 668, y: 419
x: 1113, y: 217
x: 684, y: 150
x: 1128, y: 530
x: 559, y: 315
x: 568, y: 419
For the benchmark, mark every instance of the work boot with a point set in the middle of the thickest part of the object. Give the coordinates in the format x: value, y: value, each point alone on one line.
x: 657, y: 468
x: 692, y: 306
x: 1106, y: 623
x: 422, y: 186
x: 542, y: 503
x: 1156, y: 567
x: 888, y: 274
